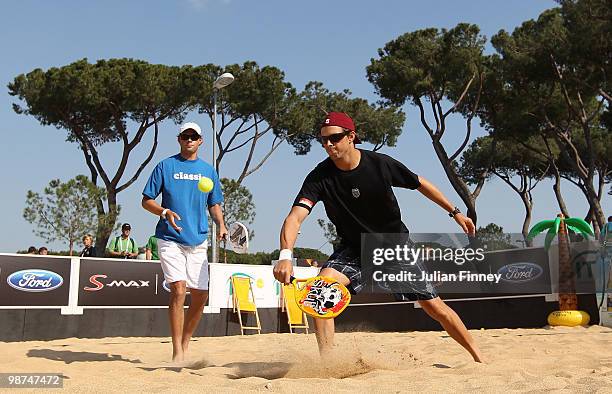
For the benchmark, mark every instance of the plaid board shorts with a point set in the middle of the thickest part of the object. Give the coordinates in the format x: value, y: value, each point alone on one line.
x: 346, y: 261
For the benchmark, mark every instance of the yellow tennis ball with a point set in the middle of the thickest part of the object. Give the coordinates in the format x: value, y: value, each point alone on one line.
x: 205, y: 184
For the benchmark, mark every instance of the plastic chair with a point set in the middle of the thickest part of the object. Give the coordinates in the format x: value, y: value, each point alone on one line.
x: 244, y: 301
x: 295, y: 316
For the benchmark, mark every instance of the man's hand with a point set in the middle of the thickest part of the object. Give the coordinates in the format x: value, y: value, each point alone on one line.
x: 283, y: 271
x: 222, y: 233
x: 465, y: 223
x: 172, y: 217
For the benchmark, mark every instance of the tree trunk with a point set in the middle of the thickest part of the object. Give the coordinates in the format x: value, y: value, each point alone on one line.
x: 560, y: 200
x: 106, y: 223
x: 595, y: 204
x: 591, y: 219
x: 586, y: 175
x: 71, y: 246
x: 528, y: 204
x: 568, y: 301
x: 468, y: 198
x: 591, y: 216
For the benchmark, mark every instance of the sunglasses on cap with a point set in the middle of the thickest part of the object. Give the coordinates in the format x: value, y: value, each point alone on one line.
x: 334, y: 138
x: 192, y: 137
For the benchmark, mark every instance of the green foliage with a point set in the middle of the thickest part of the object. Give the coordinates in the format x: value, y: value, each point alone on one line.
x: 428, y: 63
x: 589, y: 38
x: 492, y: 237
x: 549, y: 81
x: 93, y: 102
x: 377, y: 124
x: 64, y: 211
x: 329, y: 231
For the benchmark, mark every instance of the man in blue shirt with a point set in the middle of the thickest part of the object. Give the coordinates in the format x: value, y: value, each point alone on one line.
x: 182, y: 230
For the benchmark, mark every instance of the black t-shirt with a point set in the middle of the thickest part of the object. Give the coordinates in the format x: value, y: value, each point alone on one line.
x: 360, y: 200
x: 88, y: 252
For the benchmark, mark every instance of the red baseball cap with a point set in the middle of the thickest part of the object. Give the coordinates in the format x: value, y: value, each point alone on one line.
x: 340, y: 119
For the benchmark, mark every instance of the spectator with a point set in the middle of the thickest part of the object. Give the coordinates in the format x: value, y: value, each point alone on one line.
x: 43, y: 250
x: 32, y: 250
x: 151, y: 249
x: 88, y: 249
x: 123, y: 246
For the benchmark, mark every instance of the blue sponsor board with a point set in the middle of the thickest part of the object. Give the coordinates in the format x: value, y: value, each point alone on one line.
x: 34, y: 281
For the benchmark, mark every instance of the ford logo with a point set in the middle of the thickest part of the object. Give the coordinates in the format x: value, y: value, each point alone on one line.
x: 35, y: 280
x: 520, y: 272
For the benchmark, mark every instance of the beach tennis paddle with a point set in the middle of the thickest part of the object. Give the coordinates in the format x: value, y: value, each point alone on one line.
x: 321, y: 297
x: 239, y: 237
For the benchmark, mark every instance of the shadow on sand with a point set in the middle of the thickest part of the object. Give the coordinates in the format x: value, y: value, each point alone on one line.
x: 237, y: 370
x: 68, y: 356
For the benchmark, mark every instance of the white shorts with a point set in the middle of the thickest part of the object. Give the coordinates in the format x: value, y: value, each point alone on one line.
x: 184, y: 263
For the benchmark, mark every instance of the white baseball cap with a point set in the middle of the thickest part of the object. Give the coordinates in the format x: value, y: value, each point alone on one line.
x: 191, y: 126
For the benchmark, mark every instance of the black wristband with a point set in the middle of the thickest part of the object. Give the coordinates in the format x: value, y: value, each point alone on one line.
x: 454, y: 212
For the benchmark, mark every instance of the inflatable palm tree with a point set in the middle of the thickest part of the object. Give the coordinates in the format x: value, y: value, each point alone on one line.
x: 559, y: 227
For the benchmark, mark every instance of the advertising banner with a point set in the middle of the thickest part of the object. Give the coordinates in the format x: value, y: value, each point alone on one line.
x: 34, y: 281
x: 122, y: 283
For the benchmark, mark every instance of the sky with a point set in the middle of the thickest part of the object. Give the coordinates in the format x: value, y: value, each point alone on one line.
x: 327, y: 41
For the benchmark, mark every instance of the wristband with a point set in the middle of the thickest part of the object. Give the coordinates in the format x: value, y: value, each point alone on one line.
x: 163, y: 214
x: 285, y: 254
x: 454, y: 212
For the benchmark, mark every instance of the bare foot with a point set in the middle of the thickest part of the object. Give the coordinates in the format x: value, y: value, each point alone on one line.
x: 178, y: 357
x: 478, y: 358
x: 326, y: 353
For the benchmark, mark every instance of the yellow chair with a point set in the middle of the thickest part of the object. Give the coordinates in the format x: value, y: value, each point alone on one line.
x: 244, y: 301
x: 295, y: 316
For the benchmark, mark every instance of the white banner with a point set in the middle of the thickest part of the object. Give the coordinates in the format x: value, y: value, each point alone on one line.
x: 266, y: 289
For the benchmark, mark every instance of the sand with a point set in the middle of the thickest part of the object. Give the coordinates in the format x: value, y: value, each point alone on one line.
x: 560, y: 359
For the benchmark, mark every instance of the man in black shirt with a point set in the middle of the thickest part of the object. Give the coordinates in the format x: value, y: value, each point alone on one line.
x: 355, y: 187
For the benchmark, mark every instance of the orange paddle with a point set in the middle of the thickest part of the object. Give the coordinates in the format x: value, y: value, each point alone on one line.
x: 321, y: 297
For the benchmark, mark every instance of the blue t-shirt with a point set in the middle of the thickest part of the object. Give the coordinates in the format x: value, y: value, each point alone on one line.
x: 177, y: 180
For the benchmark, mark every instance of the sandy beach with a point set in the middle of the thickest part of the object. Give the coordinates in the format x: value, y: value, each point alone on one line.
x: 555, y: 359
